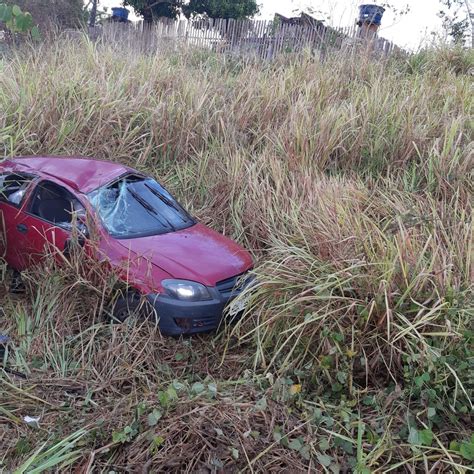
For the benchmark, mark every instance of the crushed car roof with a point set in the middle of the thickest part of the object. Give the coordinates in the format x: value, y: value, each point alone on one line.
x: 80, y: 173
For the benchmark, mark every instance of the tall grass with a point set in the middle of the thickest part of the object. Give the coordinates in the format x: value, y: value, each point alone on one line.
x: 351, y: 181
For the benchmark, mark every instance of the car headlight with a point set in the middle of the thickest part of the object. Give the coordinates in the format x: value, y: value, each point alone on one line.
x: 186, y: 290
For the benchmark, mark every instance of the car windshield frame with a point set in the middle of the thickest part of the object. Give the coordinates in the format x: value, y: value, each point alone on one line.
x: 146, y: 202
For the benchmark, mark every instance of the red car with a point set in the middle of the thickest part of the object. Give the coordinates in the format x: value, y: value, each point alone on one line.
x: 187, y: 272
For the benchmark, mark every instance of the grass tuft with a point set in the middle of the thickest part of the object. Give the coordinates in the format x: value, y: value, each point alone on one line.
x: 351, y: 182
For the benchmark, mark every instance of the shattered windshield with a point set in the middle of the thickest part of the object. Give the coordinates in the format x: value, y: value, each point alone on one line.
x: 135, y: 206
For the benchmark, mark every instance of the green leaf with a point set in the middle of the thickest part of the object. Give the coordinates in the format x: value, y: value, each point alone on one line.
x: 326, y: 361
x: 178, y: 357
x: 280, y: 437
x: 11, y: 24
x: 166, y: 398
x: 235, y: 453
x: 156, y: 443
x: 212, y: 388
x: 467, y: 450
x: 295, y: 444
x: 154, y: 417
x: 413, y: 437
x: 163, y: 398
x: 368, y: 400
x: 197, y: 388
x: 305, y: 452
x: 324, y: 444
x: 5, y: 13
x: 454, y: 446
x: 324, y: 459
x: 342, y: 377
x: 141, y: 408
x: 118, y: 437
x: 328, y: 421
x: 172, y: 394
x: 431, y: 412
x: 24, y: 23
x: 178, y: 386
x: 423, y: 437
x: 16, y: 10
x: 35, y: 33
x: 261, y: 404
x: 426, y: 437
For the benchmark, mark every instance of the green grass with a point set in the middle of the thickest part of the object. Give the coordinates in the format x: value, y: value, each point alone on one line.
x: 350, y: 182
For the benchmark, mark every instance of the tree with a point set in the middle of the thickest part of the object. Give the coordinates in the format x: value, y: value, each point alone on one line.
x: 151, y: 10
x: 222, y: 8
x: 93, y: 12
x: 457, y: 19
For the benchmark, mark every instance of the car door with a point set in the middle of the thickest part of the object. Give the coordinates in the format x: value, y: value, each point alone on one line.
x: 46, y: 225
x: 15, y: 187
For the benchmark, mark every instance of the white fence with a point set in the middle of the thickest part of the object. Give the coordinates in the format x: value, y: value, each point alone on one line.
x: 262, y: 39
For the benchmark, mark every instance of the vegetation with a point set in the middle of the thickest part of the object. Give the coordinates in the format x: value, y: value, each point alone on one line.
x: 151, y: 10
x: 58, y: 13
x: 457, y: 20
x: 351, y: 181
x: 17, y: 21
x: 223, y: 8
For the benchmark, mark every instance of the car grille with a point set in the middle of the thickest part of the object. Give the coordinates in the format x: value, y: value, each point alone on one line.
x: 228, y: 286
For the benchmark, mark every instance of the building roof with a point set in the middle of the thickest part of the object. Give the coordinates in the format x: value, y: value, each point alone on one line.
x: 80, y: 173
x: 303, y: 19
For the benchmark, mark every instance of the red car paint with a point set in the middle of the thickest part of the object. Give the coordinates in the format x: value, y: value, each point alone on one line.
x: 81, y: 174
x: 197, y: 253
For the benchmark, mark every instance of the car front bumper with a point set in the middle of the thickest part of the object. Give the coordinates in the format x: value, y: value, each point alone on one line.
x: 176, y: 317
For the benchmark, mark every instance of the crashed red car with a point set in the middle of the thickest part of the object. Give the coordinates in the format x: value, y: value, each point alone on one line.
x: 187, y: 272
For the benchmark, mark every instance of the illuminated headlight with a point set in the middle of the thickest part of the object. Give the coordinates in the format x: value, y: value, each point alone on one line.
x: 186, y: 290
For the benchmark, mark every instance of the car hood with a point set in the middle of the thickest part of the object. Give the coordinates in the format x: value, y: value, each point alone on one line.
x: 197, y: 253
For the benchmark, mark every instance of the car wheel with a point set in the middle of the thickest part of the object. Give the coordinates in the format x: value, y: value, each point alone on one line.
x: 130, y: 305
x: 17, y: 284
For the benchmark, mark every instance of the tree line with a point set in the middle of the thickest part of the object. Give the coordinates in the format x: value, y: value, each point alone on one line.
x: 151, y: 10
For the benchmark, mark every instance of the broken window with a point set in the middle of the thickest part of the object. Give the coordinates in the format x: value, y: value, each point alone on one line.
x: 56, y: 204
x: 135, y: 206
x: 13, y: 187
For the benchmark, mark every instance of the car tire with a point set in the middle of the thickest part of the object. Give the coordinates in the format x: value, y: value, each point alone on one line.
x: 130, y: 305
x: 17, y: 285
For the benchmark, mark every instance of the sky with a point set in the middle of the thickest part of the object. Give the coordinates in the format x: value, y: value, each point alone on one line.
x: 409, y: 31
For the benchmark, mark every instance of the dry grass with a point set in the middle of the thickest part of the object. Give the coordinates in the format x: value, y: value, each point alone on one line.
x: 351, y: 182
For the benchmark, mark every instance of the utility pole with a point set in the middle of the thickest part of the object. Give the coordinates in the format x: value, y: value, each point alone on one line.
x: 93, y: 13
